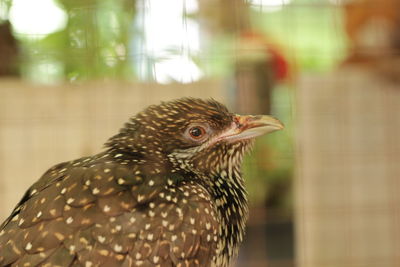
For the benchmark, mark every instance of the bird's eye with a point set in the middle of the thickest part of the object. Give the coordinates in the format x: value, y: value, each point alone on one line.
x: 197, y: 132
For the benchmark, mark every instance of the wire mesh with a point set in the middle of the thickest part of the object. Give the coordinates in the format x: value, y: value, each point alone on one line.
x: 326, y: 68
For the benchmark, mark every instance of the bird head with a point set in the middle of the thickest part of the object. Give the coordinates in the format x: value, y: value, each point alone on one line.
x: 191, y: 135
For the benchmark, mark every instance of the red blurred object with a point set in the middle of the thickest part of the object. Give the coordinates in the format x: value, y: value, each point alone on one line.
x: 279, y: 62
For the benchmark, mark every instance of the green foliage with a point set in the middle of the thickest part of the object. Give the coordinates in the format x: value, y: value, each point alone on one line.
x: 313, y: 32
x: 94, y: 44
x: 4, y: 8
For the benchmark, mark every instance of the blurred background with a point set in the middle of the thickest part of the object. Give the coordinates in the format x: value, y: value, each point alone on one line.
x: 323, y: 192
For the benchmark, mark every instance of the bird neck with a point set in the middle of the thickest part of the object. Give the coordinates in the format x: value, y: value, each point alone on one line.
x: 227, y: 188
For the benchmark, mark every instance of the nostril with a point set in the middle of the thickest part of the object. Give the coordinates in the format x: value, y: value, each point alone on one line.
x: 237, y: 122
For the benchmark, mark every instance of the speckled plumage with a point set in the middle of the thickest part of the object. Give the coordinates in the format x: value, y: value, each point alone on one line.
x: 155, y: 197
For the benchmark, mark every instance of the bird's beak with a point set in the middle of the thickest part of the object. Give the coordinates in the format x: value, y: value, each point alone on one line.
x: 249, y: 126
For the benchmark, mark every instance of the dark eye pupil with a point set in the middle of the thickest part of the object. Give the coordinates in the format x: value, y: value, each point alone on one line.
x: 196, y: 132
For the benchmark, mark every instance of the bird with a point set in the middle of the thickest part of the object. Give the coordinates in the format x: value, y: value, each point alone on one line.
x: 166, y: 190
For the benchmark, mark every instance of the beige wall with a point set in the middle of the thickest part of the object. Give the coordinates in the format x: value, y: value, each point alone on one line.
x: 44, y: 125
x: 348, y: 171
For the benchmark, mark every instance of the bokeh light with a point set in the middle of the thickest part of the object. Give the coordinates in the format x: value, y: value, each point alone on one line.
x: 37, y: 18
